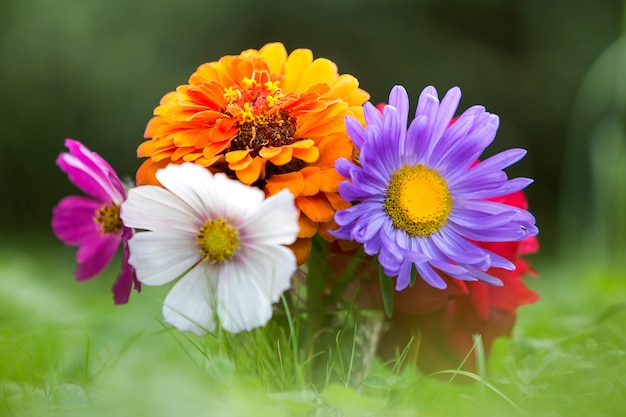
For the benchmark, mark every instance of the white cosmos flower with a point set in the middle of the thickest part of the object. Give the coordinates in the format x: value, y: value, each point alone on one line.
x: 224, y: 241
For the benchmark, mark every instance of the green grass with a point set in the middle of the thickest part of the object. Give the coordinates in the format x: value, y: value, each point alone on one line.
x: 66, y: 350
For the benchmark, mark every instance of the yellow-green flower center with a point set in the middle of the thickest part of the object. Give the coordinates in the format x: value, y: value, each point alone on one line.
x: 418, y: 200
x: 108, y: 219
x: 218, y: 241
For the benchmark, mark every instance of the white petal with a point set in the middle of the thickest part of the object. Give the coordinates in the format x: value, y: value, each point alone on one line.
x: 160, y: 257
x: 241, y: 303
x: 210, y: 196
x: 153, y: 208
x: 188, y: 306
x: 191, y: 183
x: 233, y: 200
x: 274, y: 267
x: 248, y: 287
x: 274, y: 223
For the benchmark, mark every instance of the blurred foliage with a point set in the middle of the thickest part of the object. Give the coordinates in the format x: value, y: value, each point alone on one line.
x: 94, y: 70
x: 594, y: 194
x: 66, y: 350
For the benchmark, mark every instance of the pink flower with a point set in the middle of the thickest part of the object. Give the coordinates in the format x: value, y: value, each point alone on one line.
x: 93, y: 223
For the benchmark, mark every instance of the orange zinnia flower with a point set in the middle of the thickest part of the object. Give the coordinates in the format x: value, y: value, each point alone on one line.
x: 269, y: 119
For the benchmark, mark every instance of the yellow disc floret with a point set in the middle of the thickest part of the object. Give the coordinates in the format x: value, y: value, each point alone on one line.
x: 218, y: 241
x: 418, y: 200
x: 108, y: 219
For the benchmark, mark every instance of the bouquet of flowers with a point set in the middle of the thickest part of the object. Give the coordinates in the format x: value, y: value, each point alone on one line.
x: 269, y: 176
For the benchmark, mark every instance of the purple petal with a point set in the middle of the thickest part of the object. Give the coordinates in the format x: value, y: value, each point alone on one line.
x: 512, y: 232
x: 345, y: 167
x: 399, y: 99
x: 467, y: 152
x: 458, y: 249
x: 429, y: 275
x: 373, y: 116
x: 416, y: 143
x: 494, y: 164
x: 355, y: 131
x: 484, y: 277
x: 476, y: 218
x: 427, y: 106
x: 451, y: 138
x: 447, y: 108
x: 395, y: 131
x: 504, y: 188
x: 404, y: 276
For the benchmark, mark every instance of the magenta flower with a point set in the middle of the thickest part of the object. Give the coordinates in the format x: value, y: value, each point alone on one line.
x: 93, y: 223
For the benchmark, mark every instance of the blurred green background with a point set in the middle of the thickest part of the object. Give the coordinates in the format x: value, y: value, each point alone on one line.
x: 553, y: 71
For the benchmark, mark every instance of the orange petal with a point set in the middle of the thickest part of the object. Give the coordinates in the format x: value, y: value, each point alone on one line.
x: 190, y: 157
x: 160, y: 155
x: 211, y: 149
x: 312, y: 180
x: 146, y: 174
x: 252, y: 172
x: 183, y: 151
x: 302, y: 249
x: 283, y: 157
x: 323, y: 123
x: 241, y: 165
x: 293, y: 181
x: 323, y: 229
x: 185, y: 137
x: 332, y: 148
x: 307, y: 227
x: 308, y: 155
x: 316, y: 207
x: 206, y: 162
x: 336, y: 201
x: 331, y: 180
x: 154, y: 124
x: 269, y: 152
x: 205, y: 72
x: 321, y: 88
x: 237, y: 156
x: 303, y: 144
x: 145, y: 149
x: 214, y: 93
x: 224, y: 129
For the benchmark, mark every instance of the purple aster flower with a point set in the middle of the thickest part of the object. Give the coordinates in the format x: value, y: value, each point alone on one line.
x: 93, y: 223
x: 420, y: 199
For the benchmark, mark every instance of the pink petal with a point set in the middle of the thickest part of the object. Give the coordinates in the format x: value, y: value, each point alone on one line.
x: 73, y: 220
x: 94, y: 255
x: 125, y: 280
x: 89, y: 172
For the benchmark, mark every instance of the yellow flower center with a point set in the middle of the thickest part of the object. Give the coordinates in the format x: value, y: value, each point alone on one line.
x: 251, y: 101
x: 108, y: 219
x: 418, y: 200
x: 218, y: 241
